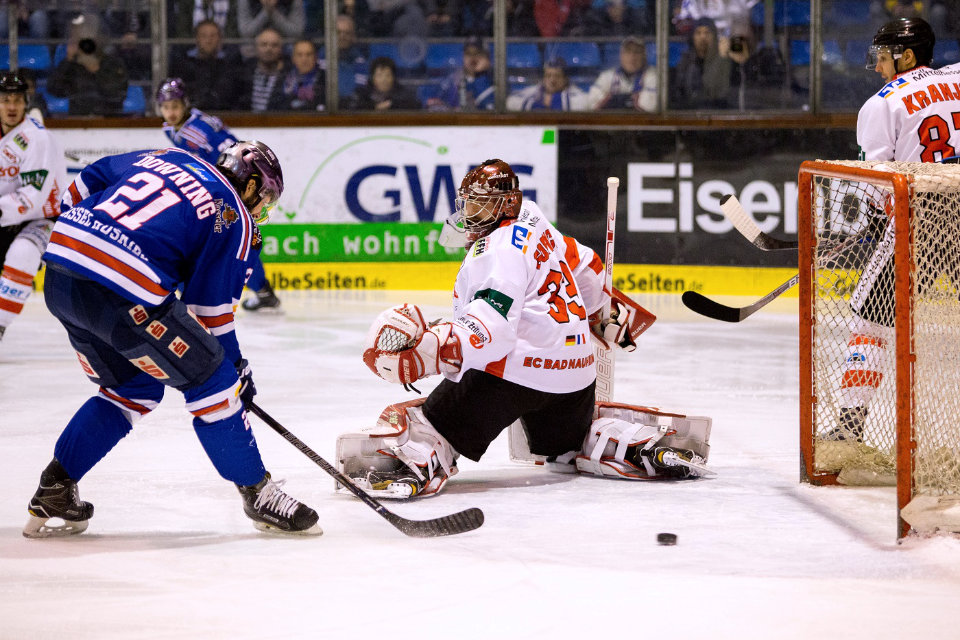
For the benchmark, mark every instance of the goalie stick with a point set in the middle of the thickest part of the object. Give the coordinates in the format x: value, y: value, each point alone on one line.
x: 706, y: 307
x: 734, y: 212
x: 459, y: 522
x: 605, y: 357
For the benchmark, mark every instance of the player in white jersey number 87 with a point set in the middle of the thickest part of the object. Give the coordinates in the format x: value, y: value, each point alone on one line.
x: 911, y: 119
x: 525, y: 303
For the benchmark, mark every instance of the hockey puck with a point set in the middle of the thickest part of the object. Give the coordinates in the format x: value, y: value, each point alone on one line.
x: 667, y: 539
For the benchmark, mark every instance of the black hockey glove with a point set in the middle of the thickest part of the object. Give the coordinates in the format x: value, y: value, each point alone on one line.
x: 247, y: 388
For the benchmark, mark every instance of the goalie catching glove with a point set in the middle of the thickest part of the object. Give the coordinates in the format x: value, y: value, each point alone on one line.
x: 400, y: 347
x: 626, y: 322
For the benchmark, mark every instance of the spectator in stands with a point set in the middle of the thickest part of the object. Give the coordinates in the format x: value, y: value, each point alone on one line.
x: 211, y: 71
x: 556, y: 18
x: 264, y: 85
x: 521, y: 22
x: 358, y: 11
x: 632, y: 85
x: 554, y: 92
x: 183, y: 16
x: 471, y: 87
x: 476, y: 18
x: 32, y: 22
x: 396, y: 19
x: 382, y: 92
x: 94, y: 81
x: 287, y: 17
x: 306, y: 82
x: 351, y: 58
x: 36, y: 104
x: 727, y: 15
x: 702, y: 77
x: 758, y: 75
x: 621, y: 18
x: 443, y: 18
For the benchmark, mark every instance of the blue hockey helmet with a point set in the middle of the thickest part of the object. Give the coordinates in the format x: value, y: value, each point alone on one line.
x: 253, y: 159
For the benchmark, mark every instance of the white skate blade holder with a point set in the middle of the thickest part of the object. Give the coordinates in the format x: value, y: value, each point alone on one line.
x: 38, y: 527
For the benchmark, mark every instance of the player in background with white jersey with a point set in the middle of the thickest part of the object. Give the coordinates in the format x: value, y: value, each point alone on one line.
x: 519, y: 348
x: 206, y: 136
x: 911, y: 119
x: 33, y: 175
x: 134, y: 229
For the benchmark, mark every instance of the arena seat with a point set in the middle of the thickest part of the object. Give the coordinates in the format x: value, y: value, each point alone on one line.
x: 946, y: 52
x: 786, y: 13
x: 443, y: 58
x: 580, y: 56
x: 135, y: 102
x: 29, y: 56
x: 523, y: 55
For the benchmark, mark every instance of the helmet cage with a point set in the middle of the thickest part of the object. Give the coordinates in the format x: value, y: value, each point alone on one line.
x: 875, y: 52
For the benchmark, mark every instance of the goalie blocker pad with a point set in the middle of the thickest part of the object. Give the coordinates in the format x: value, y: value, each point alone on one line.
x: 628, y: 320
x: 402, y: 456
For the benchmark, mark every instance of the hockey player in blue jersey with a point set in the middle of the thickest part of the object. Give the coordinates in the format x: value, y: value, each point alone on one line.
x: 206, y: 136
x: 134, y: 228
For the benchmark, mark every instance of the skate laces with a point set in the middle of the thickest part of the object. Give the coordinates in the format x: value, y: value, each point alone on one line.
x: 271, y: 497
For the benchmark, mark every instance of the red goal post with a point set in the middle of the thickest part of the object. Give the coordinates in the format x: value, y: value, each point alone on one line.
x: 911, y: 433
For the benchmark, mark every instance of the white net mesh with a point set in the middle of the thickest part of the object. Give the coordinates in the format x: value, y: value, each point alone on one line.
x: 854, y: 356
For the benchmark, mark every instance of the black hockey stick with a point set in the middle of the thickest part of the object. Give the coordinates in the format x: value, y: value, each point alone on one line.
x: 459, y: 522
x: 748, y: 228
x: 711, y: 309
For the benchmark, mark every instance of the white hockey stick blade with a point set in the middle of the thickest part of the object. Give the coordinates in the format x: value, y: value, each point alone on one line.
x: 703, y: 305
x: 743, y: 223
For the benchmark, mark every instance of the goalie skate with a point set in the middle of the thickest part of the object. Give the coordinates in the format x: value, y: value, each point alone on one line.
x: 403, y: 456
x: 639, y: 443
x: 679, y: 463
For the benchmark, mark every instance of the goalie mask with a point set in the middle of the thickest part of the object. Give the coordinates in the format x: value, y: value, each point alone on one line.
x: 896, y: 36
x: 488, y: 194
x: 253, y: 159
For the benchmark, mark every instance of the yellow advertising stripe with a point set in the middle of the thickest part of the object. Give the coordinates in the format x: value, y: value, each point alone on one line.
x: 629, y: 278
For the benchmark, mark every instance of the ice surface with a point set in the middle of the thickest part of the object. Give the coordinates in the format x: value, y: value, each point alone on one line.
x: 169, y: 553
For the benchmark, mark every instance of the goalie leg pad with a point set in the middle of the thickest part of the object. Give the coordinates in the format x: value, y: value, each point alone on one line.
x: 637, y: 443
x: 402, y: 456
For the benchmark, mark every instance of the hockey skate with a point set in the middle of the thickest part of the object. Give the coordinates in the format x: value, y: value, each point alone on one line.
x: 263, y: 300
x: 399, y: 483
x: 850, y: 427
x: 56, y: 497
x: 273, y: 511
x: 670, y: 462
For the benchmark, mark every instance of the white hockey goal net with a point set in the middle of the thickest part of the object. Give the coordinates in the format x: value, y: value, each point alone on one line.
x: 880, y: 373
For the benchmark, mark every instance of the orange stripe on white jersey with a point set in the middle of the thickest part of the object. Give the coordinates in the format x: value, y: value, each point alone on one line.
x: 859, y: 339
x: 596, y: 264
x: 9, y: 305
x: 570, y: 254
x: 15, y: 275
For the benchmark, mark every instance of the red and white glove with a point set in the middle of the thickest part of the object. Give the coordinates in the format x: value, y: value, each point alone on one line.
x: 401, y: 348
x: 626, y: 322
